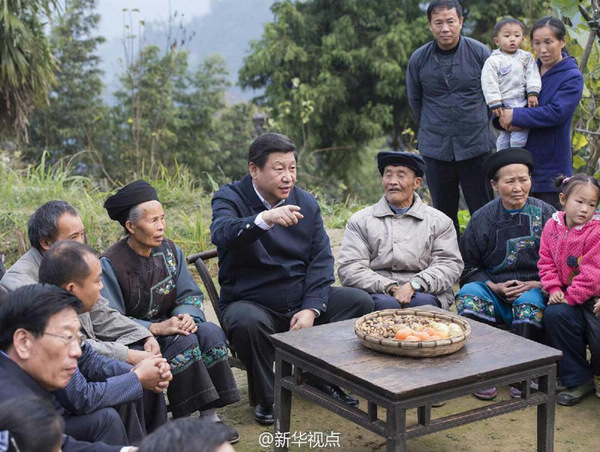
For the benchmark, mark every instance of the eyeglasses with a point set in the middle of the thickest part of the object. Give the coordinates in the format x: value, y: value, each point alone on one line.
x: 80, y: 338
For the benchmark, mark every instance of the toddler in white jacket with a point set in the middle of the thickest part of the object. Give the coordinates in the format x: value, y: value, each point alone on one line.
x: 510, y: 78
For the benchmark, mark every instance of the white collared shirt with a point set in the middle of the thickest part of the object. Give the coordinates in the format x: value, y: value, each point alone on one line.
x: 258, y: 221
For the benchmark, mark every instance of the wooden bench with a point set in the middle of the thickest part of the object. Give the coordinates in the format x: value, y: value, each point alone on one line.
x: 198, y: 260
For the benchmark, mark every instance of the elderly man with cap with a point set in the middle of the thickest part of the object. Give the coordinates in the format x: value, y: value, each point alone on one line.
x: 401, y: 251
x: 145, y: 277
x: 500, y: 247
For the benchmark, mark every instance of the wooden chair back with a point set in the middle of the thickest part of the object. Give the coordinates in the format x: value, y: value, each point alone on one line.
x: 198, y: 260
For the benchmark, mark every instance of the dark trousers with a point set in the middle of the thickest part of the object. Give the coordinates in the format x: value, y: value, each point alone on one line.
x: 103, y: 425
x: 570, y: 329
x: 249, y: 325
x: 384, y: 301
x: 143, y: 416
x: 444, y: 178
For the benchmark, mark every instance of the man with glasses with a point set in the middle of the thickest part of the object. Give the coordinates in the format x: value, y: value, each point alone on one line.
x: 100, y: 382
x: 39, y: 348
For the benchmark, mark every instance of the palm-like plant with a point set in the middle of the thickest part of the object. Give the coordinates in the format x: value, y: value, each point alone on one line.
x: 26, y: 62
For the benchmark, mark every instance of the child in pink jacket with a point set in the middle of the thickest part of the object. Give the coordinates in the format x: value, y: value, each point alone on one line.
x: 569, y: 268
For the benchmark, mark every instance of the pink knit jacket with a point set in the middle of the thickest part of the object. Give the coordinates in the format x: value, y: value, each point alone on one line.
x: 570, y: 258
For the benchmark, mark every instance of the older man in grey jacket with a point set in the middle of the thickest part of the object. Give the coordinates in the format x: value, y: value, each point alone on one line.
x: 107, y: 330
x: 401, y: 251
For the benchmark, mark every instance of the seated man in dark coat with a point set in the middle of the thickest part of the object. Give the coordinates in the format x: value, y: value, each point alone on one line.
x: 275, y: 264
x: 39, y: 347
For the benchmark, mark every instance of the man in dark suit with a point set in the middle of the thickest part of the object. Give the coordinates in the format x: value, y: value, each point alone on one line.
x: 39, y: 347
x: 275, y: 265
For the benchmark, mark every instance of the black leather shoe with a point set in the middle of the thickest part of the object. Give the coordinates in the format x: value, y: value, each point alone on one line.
x: 338, y: 394
x: 264, y: 415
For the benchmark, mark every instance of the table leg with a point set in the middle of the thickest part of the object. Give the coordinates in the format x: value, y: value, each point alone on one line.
x: 545, y: 412
x: 283, y: 403
x: 396, y: 429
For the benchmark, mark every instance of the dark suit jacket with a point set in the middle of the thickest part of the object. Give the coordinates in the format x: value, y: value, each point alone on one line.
x: 16, y: 383
x: 284, y: 269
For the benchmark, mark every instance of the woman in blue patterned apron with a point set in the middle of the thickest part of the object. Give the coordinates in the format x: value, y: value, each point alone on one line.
x: 145, y: 277
x: 500, y: 284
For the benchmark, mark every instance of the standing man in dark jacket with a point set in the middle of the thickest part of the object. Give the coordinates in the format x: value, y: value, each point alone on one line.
x: 275, y: 265
x: 444, y: 91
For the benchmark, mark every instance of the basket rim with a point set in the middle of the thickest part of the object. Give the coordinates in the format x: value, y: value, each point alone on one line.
x: 395, y: 344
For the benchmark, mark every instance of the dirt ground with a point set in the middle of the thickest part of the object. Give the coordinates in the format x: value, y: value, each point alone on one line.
x: 576, y: 428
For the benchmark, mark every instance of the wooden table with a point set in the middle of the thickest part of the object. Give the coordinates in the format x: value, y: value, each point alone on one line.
x: 490, y: 358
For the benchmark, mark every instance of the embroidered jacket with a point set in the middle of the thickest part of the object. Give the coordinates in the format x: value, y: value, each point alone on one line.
x: 150, y: 289
x: 498, y: 246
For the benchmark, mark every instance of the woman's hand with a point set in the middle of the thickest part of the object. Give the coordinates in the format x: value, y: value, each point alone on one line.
x: 168, y: 327
x: 188, y: 323
x: 506, y: 117
x: 513, y: 289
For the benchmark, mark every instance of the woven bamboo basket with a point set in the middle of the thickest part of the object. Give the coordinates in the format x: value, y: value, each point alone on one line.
x: 423, y: 349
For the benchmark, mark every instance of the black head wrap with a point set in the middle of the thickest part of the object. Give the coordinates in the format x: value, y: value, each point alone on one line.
x: 505, y: 157
x: 412, y: 161
x: 120, y: 204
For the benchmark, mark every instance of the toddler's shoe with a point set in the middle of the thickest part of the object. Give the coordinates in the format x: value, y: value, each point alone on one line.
x: 515, y: 393
x: 486, y: 394
x: 573, y: 395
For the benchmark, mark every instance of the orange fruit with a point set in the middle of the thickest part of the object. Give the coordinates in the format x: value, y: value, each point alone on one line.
x: 412, y: 338
x: 422, y: 335
x: 435, y: 337
x: 429, y: 330
x: 403, y: 333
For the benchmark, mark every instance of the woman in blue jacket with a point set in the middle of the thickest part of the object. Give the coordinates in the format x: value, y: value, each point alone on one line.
x: 550, y: 136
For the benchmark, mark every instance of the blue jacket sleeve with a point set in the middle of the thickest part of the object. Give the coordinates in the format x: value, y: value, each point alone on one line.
x: 190, y: 299
x: 319, y: 273
x: 555, y: 112
x: 99, y: 382
x: 112, y: 292
x: 229, y: 230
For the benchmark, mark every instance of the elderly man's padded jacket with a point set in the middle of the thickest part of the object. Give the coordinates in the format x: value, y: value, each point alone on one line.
x: 381, y: 248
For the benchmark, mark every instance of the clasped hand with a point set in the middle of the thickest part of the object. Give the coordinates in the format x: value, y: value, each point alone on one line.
x: 154, y: 373
x: 513, y: 289
x: 180, y: 324
x: 557, y: 297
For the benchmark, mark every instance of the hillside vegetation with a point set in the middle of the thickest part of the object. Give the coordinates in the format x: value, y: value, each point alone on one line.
x: 186, y: 204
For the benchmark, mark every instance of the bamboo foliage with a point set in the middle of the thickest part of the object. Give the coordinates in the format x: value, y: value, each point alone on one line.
x: 26, y: 63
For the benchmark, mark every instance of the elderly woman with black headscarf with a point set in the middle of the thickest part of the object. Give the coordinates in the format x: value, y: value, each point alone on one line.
x: 500, y: 248
x: 145, y: 277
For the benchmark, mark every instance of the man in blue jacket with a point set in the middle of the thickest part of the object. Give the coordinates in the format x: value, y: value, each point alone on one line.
x: 443, y: 81
x: 275, y: 265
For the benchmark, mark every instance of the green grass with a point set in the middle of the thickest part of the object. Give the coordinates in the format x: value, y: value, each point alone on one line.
x: 187, y: 206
